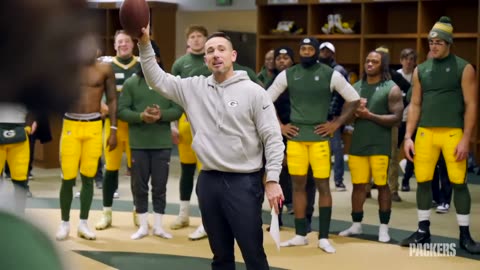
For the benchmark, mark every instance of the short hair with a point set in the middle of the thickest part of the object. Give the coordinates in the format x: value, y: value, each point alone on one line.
x: 405, y: 53
x: 121, y: 31
x: 196, y: 28
x: 221, y: 35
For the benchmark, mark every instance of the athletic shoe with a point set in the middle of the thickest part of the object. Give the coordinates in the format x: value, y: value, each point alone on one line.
x: 105, y: 221
x: 417, y: 237
x: 198, y: 234
x: 180, y: 222
x: 443, y: 208
x: 339, y: 186
x: 84, y: 232
x: 63, y: 231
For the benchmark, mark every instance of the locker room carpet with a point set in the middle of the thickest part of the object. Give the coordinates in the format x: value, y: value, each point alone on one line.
x: 113, y: 248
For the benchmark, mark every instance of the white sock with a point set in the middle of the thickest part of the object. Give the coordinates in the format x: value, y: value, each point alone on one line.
x: 463, y: 220
x: 107, y: 209
x: 143, y: 229
x: 157, y: 220
x: 184, y: 209
x: 83, y: 222
x: 423, y: 214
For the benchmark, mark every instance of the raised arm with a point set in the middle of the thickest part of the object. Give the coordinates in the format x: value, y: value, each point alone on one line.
x: 395, y: 106
x: 165, y: 84
x: 278, y: 86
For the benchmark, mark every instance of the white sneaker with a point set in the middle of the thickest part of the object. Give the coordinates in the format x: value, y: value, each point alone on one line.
x: 84, y: 232
x: 180, y: 222
x: 325, y: 245
x: 443, y: 208
x: 63, y: 231
x: 198, y: 234
x: 77, y: 194
x: 297, y: 240
x: 116, y: 195
x: 355, y: 229
x: 383, y: 235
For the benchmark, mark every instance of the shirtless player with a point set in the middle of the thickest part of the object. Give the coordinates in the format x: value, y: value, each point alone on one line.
x: 81, y: 140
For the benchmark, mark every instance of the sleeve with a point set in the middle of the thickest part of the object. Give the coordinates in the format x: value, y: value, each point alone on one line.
x: 339, y: 84
x: 173, y: 113
x: 175, y: 68
x: 278, y: 86
x: 400, y: 81
x: 167, y: 85
x: 268, y: 129
x: 125, y: 104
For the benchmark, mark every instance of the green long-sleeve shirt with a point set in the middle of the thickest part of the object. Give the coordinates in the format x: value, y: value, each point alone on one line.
x: 135, y: 97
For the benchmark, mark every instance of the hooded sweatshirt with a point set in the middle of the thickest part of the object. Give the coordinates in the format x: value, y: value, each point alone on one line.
x: 233, y: 122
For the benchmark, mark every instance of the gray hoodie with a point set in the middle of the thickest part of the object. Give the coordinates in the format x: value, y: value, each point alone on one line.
x: 232, y: 122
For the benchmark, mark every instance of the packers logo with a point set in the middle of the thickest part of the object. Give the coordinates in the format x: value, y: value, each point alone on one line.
x: 233, y: 103
x: 433, y: 34
x: 9, y: 133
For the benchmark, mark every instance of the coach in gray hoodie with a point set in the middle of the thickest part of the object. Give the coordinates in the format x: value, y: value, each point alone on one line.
x: 234, y: 125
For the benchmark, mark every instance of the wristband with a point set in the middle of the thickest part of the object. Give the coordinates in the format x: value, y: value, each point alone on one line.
x: 113, y: 127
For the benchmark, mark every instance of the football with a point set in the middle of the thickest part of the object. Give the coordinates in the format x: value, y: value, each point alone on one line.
x: 134, y: 15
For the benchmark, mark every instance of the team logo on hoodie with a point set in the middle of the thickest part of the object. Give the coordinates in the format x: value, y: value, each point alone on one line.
x: 233, y: 103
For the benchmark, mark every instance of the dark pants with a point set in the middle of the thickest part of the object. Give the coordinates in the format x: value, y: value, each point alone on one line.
x: 441, y: 186
x: 32, y: 138
x: 231, y: 207
x: 152, y: 163
x: 336, y: 145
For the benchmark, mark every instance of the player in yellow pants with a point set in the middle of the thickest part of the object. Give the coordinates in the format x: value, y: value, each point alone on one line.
x: 15, y: 149
x: 81, y: 140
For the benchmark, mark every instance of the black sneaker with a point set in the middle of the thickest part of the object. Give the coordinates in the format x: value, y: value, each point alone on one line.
x: 405, y: 188
x: 467, y: 243
x: 339, y: 186
x: 417, y: 237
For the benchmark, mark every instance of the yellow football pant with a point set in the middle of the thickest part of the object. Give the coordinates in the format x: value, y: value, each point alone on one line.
x: 428, y: 144
x: 315, y: 154
x: 113, y: 159
x: 18, y: 156
x: 185, y: 151
x: 363, y: 168
x: 80, y: 146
